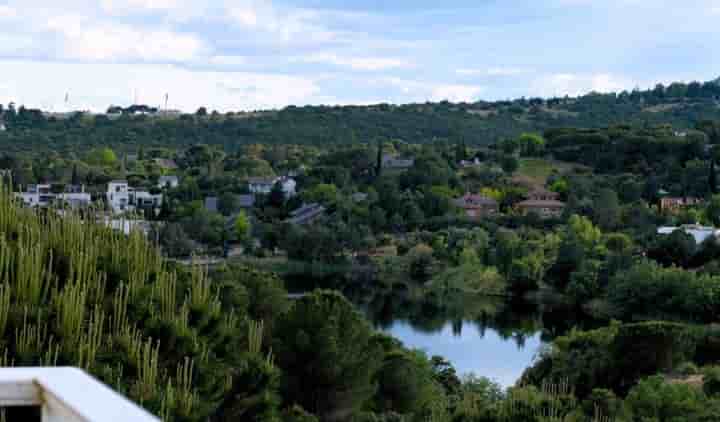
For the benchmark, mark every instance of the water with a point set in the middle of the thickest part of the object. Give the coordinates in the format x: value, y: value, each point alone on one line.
x: 472, y: 348
x: 483, y: 336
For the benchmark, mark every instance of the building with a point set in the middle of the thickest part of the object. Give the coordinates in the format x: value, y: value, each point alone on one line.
x: 75, y: 196
x: 169, y: 182
x: 470, y: 163
x: 698, y: 232
x: 306, y: 214
x: 121, y: 197
x: 264, y: 185
x: 246, y: 201
x: 393, y: 162
x: 166, y: 164
x: 2, y: 127
x: 542, y: 203
x: 43, y: 195
x: 37, y: 195
x: 476, y: 206
x: 211, y: 204
x: 674, y: 204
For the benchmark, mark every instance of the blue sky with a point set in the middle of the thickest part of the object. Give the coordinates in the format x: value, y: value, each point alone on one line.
x: 257, y: 54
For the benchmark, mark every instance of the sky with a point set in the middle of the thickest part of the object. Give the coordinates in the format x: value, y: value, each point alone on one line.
x: 233, y: 55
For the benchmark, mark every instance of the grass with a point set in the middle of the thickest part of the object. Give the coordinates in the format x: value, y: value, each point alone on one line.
x: 540, y: 169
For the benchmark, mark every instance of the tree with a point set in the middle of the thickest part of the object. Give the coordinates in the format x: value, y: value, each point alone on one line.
x: 712, y: 178
x: 531, y: 144
x: 102, y: 157
x: 75, y: 179
x: 242, y: 226
x: 175, y: 241
x: 277, y: 196
x: 227, y: 203
x: 379, y: 160
x: 607, y: 209
x: 329, y: 355
x: 201, y: 112
x: 713, y: 210
x: 509, y: 163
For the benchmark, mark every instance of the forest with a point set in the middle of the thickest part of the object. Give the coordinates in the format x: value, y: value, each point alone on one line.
x: 632, y: 178
x: 31, y: 131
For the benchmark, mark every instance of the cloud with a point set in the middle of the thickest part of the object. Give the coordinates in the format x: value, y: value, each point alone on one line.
x: 84, y: 39
x: 228, y: 60
x: 7, y: 12
x: 284, y: 25
x: 494, y: 71
x: 95, y: 86
x: 355, y: 63
x: 420, y: 91
x: 561, y: 84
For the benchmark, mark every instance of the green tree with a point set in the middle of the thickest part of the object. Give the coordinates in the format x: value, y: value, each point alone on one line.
x: 509, y: 163
x: 607, y: 209
x: 242, y: 226
x: 102, y: 157
x: 227, y: 203
x: 328, y: 354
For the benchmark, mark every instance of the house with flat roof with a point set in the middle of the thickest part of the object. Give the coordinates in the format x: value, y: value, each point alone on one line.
x: 43, y: 195
x: 390, y: 161
x: 476, y: 206
x: 306, y: 214
x: 698, y: 232
x: 264, y: 185
x: 122, y: 197
x: 169, y: 182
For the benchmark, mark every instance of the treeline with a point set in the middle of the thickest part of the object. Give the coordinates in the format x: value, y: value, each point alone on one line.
x: 480, y: 123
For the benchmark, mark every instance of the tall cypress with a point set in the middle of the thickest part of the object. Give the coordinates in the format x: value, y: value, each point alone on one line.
x: 712, y: 179
x: 378, y: 165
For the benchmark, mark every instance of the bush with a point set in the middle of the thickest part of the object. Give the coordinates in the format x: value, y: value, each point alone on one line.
x: 711, y: 381
x: 687, y: 369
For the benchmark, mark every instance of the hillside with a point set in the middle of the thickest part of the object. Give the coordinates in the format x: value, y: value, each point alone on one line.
x: 479, y: 123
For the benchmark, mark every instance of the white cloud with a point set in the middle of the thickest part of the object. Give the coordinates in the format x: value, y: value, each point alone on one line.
x: 125, y: 6
x: 95, y: 86
x: 284, y: 25
x: 7, y: 12
x: 86, y: 39
x: 561, y: 84
x: 456, y: 93
x: 228, y: 60
x: 355, y: 63
x: 419, y: 91
x: 494, y: 71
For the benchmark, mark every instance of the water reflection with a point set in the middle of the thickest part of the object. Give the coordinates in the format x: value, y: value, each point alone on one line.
x: 488, y: 336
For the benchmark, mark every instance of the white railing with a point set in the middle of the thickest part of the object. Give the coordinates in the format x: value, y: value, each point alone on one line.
x: 68, y: 395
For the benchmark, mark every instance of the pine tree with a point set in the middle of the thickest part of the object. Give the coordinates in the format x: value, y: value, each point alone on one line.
x: 75, y: 179
x: 378, y: 165
x: 713, y: 177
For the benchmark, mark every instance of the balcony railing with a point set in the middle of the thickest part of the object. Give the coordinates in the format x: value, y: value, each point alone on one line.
x: 68, y: 395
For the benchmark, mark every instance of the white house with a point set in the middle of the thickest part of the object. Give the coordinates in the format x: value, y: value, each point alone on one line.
x: 75, y: 196
x: 698, y: 232
x: 37, y: 195
x: 118, y: 195
x: 264, y: 185
x: 168, y: 182
x: 42, y: 196
x: 121, y: 197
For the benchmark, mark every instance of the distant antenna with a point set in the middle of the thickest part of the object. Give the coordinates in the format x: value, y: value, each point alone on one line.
x: 67, y: 101
x: 166, y: 101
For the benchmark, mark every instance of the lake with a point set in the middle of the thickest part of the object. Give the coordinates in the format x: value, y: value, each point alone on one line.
x: 489, y: 337
x: 472, y: 348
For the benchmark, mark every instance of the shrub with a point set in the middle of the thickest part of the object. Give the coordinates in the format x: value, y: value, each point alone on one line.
x: 711, y: 381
